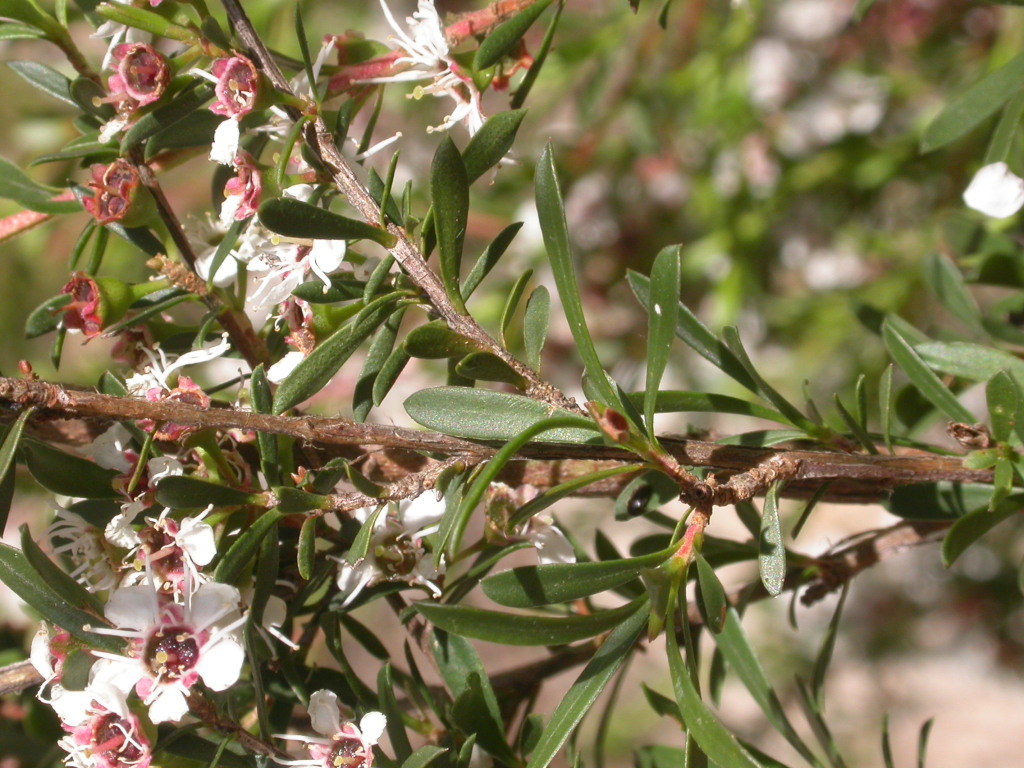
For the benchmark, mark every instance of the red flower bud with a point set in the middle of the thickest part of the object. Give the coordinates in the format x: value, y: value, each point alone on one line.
x: 247, y: 185
x: 98, y: 302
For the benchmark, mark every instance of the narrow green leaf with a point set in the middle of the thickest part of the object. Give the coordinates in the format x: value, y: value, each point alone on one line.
x: 476, y: 712
x: 946, y: 282
x: 361, y: 543
x: 181, y: 492
x: 938, y: 501
x: 885, y: 405
x: 436, y: 341
x: 661, y: 323
x: 922, y: 741
x: 551, y: 212
x: 46, y: 79
x: 713, y: 738
x: 530, y: 586
x: 568, y: 488
x: 491, y: 143
x: 512, y: 304
x: 861, y: 9
x: 147, y: 21
x: 10, y: 31
x: 483, y: 366
x: 312, y: 374
x: 449, y: 194
x: 973, y: 362
x: 65, y: 587
x: 713, y: 601
x: 68, y: 475
x: 504, y: 38
x: 193, y: 130
x: 927, y: 383
x: 855, y: 427
x: 389, y: 706
x: 1001, y: 143
x: 376, y: 357
x: 678, y: 401
x: 824, y: 657
x: 972, y: 107
x: 18, y: 186
x: 489, y: 258
x: 972, y: 526
x: 11, y: 439
x: 771, y: 561
x: 389, y: 374
x: 305, y: 553
x: 294, y: 218
x: 588, y: 686
x: 535, y: 325
x: 481, y: 414
x: 184, y: 103
x: 519, y: 629
x: 519, y: 97
x: 738, y: 653
x: 1003, y: 396
x: 244, y: 548
x: 424, y: 756
x: 23, y: 580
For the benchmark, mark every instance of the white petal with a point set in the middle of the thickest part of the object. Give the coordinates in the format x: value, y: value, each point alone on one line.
x: 423, y: 511
x: 212, y: 602
x: 220, y: 663
x: 552, y: 546
x: 995, y: 191
x: 40, y: 653
x: 227, y: 270
x: 323, y: 712
x: 280, y: 370
x: 169, y: 706
x: 225, y: 142
x: 119, y: 531
x: 372, y: 726
x: 132, y: 607
x: 72, y: 707
x: 122, y: 673
x: 197, y: 539
x: 108, y: 449
x: 163, y: 466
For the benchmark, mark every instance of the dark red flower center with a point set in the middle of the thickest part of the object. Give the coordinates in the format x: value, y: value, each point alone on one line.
x: 172, y: 651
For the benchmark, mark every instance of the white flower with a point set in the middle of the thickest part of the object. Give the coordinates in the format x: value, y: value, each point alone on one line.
x: 83, y: 545
x: 225, y: 142
x: 172, y: 645
x: 550, y: 543
x: 156, y: 375
x: 396, y: 551
x: 343, y: 743
x: 426, y: 56
x: 107, y: 734
x: 995, y: 191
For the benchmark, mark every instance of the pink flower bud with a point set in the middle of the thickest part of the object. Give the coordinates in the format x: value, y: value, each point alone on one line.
x: 247, y: 185
x: 237, y: 86
x: 142, y: 75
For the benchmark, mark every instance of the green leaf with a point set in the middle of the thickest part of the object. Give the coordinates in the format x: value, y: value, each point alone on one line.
x: 678, y: 401
x: 294, y: 218
x: 740, y: 656
x: 11, y: 439
x: 512, y: 304
x: 312, y: 374
x: 551, y: 213
x: 972, y: 107
x: 1003, y: 396
x: 361, y: 543
x: 491, y: 143
x: 927, y: 383
x: 489, y: 258
x: 244, y: 548
x: 861, y: 9
x: 483, y: 366
x: 885, y: 405
x: 972, y: 526
x: 193, y: 130
x: 661, y: 323
x: 938, y: 501
x: 828, y: 645
x: 476, y: 712
x: 68, y: 475
x: 481, y: 414
x: 147, y: 21
x: 389, y: 707
x: 389, y: 374
x: 23, y: 580
x: 535, y: 325
x: 771, y: 561
x: 180, y: 492
x: 504, y: 38
x: 973, y: 362
x: 184, y: 103
x: 46, y: 79
x: 588, y: 686
x: 376, y: 358
x: 922, y: 741
x: 1001, y: 143
x: 424, y: 756
x: 436, y: 341
x: 946, y: 282
x: 16, y: 185
x: 529, y: 586
x: 713, y: 601
x: 449, y: 194
x: 11, y: 31
x: 305, y: 552
x: 713, y: 738
x: 519, y: 629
